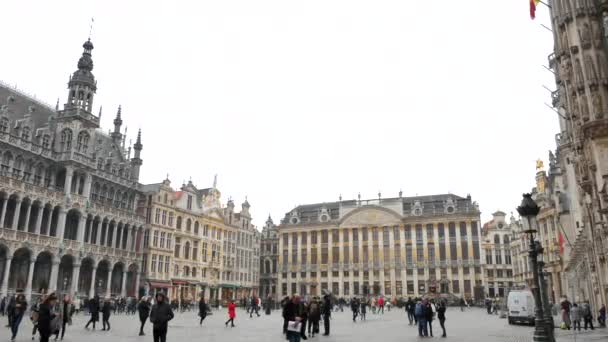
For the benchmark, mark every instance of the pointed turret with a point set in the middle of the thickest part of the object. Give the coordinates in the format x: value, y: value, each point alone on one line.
x: 136, y: 161
x: 116, y: 135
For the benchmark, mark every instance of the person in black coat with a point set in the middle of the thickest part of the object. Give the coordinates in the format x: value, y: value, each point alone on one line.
x: 326, y: 311
x: 202, y: 309
x: 106, y: 311
x: 160, y: 316
x: 428, y: 313
x: 94, y: 310
x: 46, y: 316
x: 143, y: 308
x: 441, y: 316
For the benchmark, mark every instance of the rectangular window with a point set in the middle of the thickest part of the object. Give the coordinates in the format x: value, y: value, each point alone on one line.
x: 355, y: 234
x: 335, y: 255
x: 164, y: 220
x: 346, y: 254
x: 431, y: 251
x: 160, y: 263
x: 453, y: 251
x: 465, y: 250
x: 441, y: 231
x: 189, y: 202
x: 375, y: 253
x: 364, y: 233
x: 313, y: 237
x: 387, y: 288
x: 324, y: 236
x: 155, y: 239
x: 375, y: 234
x: 385, y: 236
x: 467, y: 287
x: 418, y: 233
x: 324, y: 255
x: 408, y: 254
x: 153, y: 265
x: 178, y: 246
x: 463, y: 230
x: 474, y: 228
x: 356, y: 255
x: 410, y: 287
x: 169, y: 235
x: 452, y: 229
x: 345, y: 236
x: 171, y: 219
x: 162, y: 239
x: 335, y: 236
x: 429, y: 233
x: 304, y: 239
x: 442, y: 251
x: 157, y: 215
x: 396, y: 234
x: 398, y: 288
x: 304, y: 256
x: 356, y: 288
x: 476, y: 250
x: 167, y: 263
x: 419, y: 253
x: 408, y: 232
x: 455, y: 286
x: 313, y: 256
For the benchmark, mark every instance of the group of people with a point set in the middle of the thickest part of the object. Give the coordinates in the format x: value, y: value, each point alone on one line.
x: 573, y: 313
x: 298, y: 313
x: 48, y: 316
x: 423, y: 312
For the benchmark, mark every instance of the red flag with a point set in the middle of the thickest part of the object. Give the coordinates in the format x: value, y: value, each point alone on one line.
x: 533, y: 4
x: 562, y: 242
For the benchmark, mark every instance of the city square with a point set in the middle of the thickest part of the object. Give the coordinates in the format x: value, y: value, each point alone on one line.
x: 472, y: 325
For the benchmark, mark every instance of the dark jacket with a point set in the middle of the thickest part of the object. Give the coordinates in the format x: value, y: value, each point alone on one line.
x: 45, y: 316
x: 144, y: 310
x: 428, y: 312
x: 161, y: 315
x: 202, y: 308
x: 326, y: 309
x: 291, y: 311
x: 106, y: 310
x: 19, y: 307
x: 94, y: 309
x: 314, y: 311
x: 441, y: 312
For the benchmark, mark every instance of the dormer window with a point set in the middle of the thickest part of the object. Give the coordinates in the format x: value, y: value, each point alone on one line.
x: 189, y: 202
x: 4, y: 125
x: 66, y: 140
x: 46, y: 141
x: 25, y: 133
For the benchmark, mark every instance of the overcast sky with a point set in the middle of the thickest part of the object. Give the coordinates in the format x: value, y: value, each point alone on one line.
x: 295, y: 102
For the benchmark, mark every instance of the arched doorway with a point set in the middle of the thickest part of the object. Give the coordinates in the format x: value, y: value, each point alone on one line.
x: 71, y: 224
x: 64, y: 277
x: 4, y: 252
x: 117, y: 278
x: 132, y: 291
x: 86, y: 273
x: 19, y: 269
x: 101, y: 278
x: 10, y: 211
x: 42, y: 272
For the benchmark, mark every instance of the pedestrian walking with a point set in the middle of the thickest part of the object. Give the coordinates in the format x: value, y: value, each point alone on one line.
x: 231, y: 314
x: 202, y: 310
x: 420, y: 313
x: 45, y: 317
x: 587, y: 315
x: 65, y: 315
x: 429, y: 314
x: 381, y: 305
x: 143, y: 308
x: 441, y: 317
x: 94, y: 310
x: 314, y: 316
x: 601, y: 318
x: 575, y: 317
x: 354, y: 306
x: 303, y: 313
x: 160, y: 316
x: 326, y: 311
x: 34, y: 316
x: 106, y: 310
x: 18, y: 310
x: 363, y: 305
x: 565, y: 312
x: 254, y: 307
x: 409, y: 309
x: 463, y: 303
x: 293, y: 311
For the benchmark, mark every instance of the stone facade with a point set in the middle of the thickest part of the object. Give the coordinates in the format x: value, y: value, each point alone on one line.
x: 197, y: 246
x: 397, y: 247
x: 498, y: 267
x: 269, y: 257
x: 69, y: 193
x: 581, y: 69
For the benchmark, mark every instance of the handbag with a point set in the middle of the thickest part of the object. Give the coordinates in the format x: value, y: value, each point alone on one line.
x: 294, y: 326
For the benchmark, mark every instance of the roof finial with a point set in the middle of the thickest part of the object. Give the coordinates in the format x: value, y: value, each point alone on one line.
x: 215, y: 181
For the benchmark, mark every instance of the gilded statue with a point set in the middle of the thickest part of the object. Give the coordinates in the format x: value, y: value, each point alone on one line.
x: 539, y: 164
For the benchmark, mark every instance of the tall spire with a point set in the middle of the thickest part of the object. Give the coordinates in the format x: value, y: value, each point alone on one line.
x: 136, y: 161
x: 81, y: 90
x: 116, y: 135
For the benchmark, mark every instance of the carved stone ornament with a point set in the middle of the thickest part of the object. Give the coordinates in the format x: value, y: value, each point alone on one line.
x: 590, y: 68
x: 585, y: 36
x: 578, y: 76
x: 567, y: 71
x: 564, y: 39
x: 584, y: 106
x: 598, y: 107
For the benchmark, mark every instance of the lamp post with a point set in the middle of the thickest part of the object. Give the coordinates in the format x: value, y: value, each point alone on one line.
x: 528, y: 209
x: 548, y: 315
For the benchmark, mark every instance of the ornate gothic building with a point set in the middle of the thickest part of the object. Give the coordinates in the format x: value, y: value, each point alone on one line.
x: 69, y: 191
x: 580, y: 64
x: 269, y: 257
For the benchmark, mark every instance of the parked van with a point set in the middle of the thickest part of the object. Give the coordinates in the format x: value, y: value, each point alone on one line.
x: 520, y: 307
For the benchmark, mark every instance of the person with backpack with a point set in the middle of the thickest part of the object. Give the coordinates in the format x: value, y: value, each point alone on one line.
x: 314, y: 316
x: 46, y: 317
x: 420, y: 314
x: 587, y: 315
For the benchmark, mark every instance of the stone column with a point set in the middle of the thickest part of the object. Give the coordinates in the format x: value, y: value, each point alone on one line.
x: 7, y: 271
x: 67, y: 185
x: 48, y: 223
x: 39, y: 215
x: 123, y: 286
x: 61, y: 223
x: 93, y: 285
x: 16, y: 214
x: 4, y: 204
x: 54, y: 274
x: 129, y: 237
x: 86, y: 191
x: 27, y: 218
x: 109, y: 282
x: 81, y: 227
x: 30, y: 278
x: 137, y: 275
x: 75, y: 279
x: 98, y: 232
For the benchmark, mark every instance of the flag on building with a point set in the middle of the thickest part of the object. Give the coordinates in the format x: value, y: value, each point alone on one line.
x: 562, y: 243
x: 533, y: 4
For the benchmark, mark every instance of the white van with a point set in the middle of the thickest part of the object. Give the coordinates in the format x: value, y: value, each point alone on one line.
x: 520, y: 307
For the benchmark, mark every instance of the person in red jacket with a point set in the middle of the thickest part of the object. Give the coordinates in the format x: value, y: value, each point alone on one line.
x: 381, y: 304
x: 231, y: 313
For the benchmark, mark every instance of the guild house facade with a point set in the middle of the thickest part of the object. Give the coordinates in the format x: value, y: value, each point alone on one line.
x: 396, y: 247
x: 69, y: 194
x: 197, y: 246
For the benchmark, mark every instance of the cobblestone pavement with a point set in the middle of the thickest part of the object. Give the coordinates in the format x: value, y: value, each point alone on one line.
x: 472, y: 325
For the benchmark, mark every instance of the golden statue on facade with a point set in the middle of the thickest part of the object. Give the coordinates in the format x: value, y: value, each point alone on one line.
x: 539, y: 165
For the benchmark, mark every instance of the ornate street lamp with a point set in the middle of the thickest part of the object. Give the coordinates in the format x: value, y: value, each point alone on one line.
x: 528, y: 209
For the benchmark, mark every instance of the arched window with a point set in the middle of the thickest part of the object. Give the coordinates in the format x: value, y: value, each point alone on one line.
x: 188, y: 225
x: 186, y: 271
x: 187, y: 250
x: 4, y: 125
x: 193, y: 271
x: 46, y: 141
x: 25, y: 133
x: 83, y: 142
x: 196, y: 226
x: 267, y: 264
x: 496, y: 239
x: 505, y: 239
x: 110, y: 198
x: 95, y: 191
x: 175, y: 271
x: 66, y: 140
x: 179, y: 222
